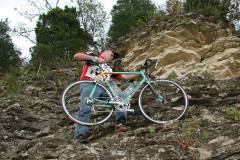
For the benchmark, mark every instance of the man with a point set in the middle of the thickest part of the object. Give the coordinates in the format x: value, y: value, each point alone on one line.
x: 88, y: 73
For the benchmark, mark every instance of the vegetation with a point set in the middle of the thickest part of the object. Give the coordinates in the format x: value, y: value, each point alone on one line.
x: 12, y: 81
x: 208, y: 75
x: 9, y: 55
x: 205, y: 7
x: 152, y: 129
x: 129, y: 14
x: 193, y: 132
x: 193, y: 112
x: 233, y: 113
x: 58, y: 35
x: 174, y: 7
x: 225, y: 10
x: 172, y: 76
x: 93, y: 19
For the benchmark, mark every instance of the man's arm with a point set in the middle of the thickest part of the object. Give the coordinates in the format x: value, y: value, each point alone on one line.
x: 129, y: 76
x: 84, y: 57
x: 132, y: 76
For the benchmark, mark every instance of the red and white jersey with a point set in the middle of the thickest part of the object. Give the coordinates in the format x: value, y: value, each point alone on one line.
x: 90, y: 72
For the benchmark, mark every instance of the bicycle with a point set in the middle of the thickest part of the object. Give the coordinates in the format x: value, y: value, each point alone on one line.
x: 160, y: 101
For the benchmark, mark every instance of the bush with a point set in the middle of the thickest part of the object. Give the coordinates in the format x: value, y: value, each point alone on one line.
x: 218, y: 9
x: 58, y: 35
x: 208, y: 75
x: 128, y: 15
x: 232, y: 113
x: 9, y: 55
x: 12, y: 82
x: 173, y: 75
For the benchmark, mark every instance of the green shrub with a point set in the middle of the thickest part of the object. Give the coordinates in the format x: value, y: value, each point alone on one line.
x: 12, y: 82
x: 232, y: 113
x: 172, y: 75
x: 152, y: 130
x: 208, y: 75
x: 127, y: 15
x: 208, y: 8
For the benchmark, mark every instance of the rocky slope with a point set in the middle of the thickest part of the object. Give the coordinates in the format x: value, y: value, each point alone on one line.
x: 183, y: 44
x: 33, y: 125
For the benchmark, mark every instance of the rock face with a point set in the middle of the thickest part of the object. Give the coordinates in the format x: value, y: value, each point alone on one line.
x: 185, y: 44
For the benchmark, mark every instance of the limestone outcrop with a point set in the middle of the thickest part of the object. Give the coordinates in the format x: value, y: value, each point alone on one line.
x: 184, y: 45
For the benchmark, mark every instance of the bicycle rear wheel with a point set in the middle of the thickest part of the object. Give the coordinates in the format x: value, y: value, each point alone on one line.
x: 100, y: 109
x: 167, y: 103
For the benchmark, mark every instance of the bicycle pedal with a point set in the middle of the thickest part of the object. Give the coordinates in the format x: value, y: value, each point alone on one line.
x: 130, y: 110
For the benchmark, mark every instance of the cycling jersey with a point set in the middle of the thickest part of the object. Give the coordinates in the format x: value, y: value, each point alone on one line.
x: 90, y: 72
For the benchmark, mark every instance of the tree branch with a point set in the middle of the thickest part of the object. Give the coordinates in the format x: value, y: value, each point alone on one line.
x: 47, y: 5
x: 57, y: 3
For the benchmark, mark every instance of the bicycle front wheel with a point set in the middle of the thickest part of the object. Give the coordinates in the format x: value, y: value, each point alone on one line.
x: 163, y: 101
x: 72, y: 103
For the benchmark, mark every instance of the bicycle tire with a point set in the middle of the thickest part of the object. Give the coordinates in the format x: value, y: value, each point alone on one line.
x: 71, y: 104
x: 170, y: 106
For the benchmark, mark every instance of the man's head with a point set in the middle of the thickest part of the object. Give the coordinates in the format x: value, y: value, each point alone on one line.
x: 107, y: 55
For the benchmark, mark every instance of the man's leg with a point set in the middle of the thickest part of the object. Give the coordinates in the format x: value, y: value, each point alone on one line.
x: 121, y: 117
x: 84, y: 113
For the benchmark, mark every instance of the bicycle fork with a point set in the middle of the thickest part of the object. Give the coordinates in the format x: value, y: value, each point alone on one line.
x: 158, y: 97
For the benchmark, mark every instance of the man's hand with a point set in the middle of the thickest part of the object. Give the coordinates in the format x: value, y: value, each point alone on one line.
x: 101, y: 60
x: 148, y: 71
x: 97, y: 60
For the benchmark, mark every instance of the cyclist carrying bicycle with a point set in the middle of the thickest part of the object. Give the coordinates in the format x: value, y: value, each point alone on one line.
x: 89, y: 72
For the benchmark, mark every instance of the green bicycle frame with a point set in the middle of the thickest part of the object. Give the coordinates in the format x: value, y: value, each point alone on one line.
x: 145, y: 79
x: 142, y: 81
